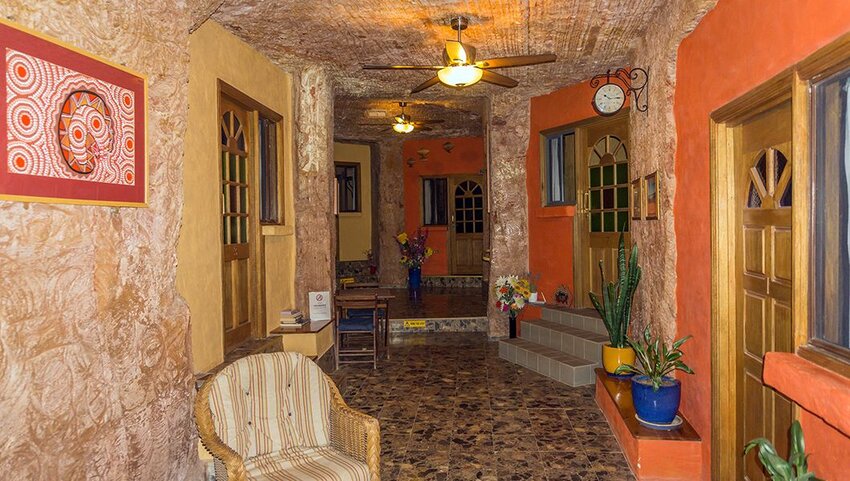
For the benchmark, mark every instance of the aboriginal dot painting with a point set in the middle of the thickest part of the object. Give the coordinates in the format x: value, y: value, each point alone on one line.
x: 63, y: 124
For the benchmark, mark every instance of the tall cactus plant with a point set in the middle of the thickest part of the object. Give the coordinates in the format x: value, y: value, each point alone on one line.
x: 615, y: 306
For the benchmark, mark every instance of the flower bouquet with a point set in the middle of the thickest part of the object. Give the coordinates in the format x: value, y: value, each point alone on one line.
x: 512, y: 295
x: 414, y: 253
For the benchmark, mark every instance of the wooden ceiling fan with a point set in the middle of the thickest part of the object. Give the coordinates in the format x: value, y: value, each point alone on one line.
x: 404, y: 124
x: 460, y: 69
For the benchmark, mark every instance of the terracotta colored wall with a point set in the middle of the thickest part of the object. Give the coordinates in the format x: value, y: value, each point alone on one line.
x: 550, y: 229
x: 467, y: 157
x: 94, y: 339
x: 737, y: 46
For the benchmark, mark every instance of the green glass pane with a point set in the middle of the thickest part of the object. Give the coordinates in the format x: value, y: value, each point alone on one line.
x: 231, y: 173
x: 608, y: 175
x: 224, y: 231
x: 595, y: 199
x: 595, y: 177
x: 622, y: 173
x: 243, y: 229
x: 243, y: 200
x: 623, y: 221
x: 234, y: 230
x: 242, y: 170
x: 224, y: 165
x: 608, y: 199
x: 622, y: 197
x: 610, y: 221
x: 234, y: 197
x: 595, y: 222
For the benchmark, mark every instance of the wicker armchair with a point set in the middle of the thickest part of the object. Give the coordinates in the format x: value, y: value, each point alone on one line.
x: 296, y: 424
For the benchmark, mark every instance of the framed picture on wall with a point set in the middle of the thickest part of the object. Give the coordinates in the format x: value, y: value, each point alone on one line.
x: 637, y: 199
x: 651, y: 187
x: 75, y: 125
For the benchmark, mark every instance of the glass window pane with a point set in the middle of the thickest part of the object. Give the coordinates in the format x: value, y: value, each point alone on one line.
x: 785, y: 201
x: 231, y: 172
x: 234, y: 230
x: 595, y: 199
x: 479, y: 227
x: 610, y: 221
x: 595, y: 177
x: 479, y: 202
x: 243, y: 229
x: 622, y: 197
x: 608, y: 199
x: 595, y: 222
x: 608, y: 175
x: 623, y: 221
x: 554, y: 171
x: 622, y: 173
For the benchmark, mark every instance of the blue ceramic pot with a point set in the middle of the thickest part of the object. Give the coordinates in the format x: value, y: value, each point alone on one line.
x: 659, y: 406
x: 414, y: 278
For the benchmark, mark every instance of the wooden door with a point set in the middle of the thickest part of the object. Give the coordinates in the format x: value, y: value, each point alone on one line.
x: 236, y: 220
x: 763, y: 271
x: 603, y: 183
x: 466, y: 232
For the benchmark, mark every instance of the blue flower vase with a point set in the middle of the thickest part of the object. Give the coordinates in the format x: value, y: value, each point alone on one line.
x: 414, y: 278
x: 659, y: 407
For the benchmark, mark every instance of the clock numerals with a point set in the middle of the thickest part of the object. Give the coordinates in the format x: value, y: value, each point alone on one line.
x: 609, y: 99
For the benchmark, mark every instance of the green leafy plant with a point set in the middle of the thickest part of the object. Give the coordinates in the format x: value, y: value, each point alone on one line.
x: 795, y: 468
x: 656, y: 359
x: 615, y: 307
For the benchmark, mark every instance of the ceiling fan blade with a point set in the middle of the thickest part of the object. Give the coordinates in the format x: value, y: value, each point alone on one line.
x: 400, y: 67
x: 425, y: 122
x: 424, y: 85
x: 517, y: 61
x: 457, y: 53
x: 497, y: 79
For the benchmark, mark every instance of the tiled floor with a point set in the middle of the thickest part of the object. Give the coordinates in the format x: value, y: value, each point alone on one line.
x: 438, y: 303
x: 450, y: 409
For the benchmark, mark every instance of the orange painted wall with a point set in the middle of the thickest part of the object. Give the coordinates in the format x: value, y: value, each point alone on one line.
x: 737, y: 46
x: 467, y: 157
x: 550, y: 229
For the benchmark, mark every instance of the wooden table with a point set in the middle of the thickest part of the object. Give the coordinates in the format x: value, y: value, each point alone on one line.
x: 313, y: 338
x: 358, y: 294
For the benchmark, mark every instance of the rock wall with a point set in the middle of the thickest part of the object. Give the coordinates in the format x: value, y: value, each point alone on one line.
x: 315, y: 224
x: 390, y: 211
x: 653, y: 144
x: 94, y: 341
x: 509, y: 129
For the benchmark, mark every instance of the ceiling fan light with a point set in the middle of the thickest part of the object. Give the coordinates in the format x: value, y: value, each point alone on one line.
x: 403, y: 128
x: 460, y: 76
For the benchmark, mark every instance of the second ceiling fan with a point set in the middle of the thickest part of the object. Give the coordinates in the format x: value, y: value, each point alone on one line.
x: 460, y: 68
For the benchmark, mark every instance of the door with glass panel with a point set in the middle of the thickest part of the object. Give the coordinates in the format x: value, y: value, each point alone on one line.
x: 236, y: 212
x: 603, y: 163
x: 466, y: 232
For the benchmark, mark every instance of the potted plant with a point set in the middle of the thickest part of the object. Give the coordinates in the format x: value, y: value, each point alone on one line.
x: 615, y: 308
x: 414, y: 253
x: 796, y: 468
x: 512, y: 295
x: 370, y: 259
x: 563, y: 296
x: 655, y: 394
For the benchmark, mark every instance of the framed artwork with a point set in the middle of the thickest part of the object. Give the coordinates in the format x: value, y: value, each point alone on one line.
x: 651, y: 186
x: 637, y: 199
x: 75, y: 125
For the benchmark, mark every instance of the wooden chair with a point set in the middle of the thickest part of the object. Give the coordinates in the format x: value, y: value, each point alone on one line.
x: 357, y: 316
x: 278, y: 416
x: 383, y: 313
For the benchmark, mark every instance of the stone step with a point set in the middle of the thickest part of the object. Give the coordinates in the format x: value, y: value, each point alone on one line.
x: 562, y: 337
x: 463, y: 282
x: 584, y: 319
x: 557, y: 365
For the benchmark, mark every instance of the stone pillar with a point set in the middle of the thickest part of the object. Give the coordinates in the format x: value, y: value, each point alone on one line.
x: 315, y: 223
x: 390, y: 211
x: 509, y: 132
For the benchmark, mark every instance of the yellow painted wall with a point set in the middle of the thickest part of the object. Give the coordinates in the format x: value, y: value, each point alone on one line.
x: 216, y: 55
x: 355, y: 228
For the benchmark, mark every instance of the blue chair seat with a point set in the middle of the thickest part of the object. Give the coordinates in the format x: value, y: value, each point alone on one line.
x: 361, y: 313
x: 350, y: 324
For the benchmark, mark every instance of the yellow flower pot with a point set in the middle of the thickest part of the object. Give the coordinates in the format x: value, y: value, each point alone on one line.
x: 614, y: 357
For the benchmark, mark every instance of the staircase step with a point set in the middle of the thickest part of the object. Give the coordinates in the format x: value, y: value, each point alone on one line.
x: 554, y: 364
x: 584, y: 319
x: 562, y: 337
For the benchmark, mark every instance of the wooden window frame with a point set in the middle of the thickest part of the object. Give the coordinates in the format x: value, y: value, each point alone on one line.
x: 357, y: 188
x: 422, y: 199
x: 545, y: 152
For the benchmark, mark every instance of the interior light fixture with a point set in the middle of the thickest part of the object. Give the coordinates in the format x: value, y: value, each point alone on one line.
x: 460, y: 75
x: 403, y: 127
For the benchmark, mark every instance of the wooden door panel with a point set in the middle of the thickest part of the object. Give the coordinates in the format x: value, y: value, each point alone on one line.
x: 468, y: 225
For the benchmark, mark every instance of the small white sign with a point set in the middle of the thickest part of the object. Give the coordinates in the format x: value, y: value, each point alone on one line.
x: 320, y: 306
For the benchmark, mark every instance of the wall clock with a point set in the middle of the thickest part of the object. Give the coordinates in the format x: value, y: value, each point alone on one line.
x: 612, y: 88
x: 609, y: 99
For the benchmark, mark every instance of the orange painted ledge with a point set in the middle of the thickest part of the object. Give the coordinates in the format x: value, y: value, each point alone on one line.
x: 652, y: 455
x: 817, y: 390
x: 557, y: 211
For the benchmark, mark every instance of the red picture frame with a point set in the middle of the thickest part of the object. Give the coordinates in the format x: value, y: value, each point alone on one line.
x: 75, y: 124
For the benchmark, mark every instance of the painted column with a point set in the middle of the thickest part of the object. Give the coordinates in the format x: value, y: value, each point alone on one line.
x: 315, y: 223
x: 390, y: 212
x: 509, y: 133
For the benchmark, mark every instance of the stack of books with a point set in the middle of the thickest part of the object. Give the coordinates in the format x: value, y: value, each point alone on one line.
x: 291, y: 317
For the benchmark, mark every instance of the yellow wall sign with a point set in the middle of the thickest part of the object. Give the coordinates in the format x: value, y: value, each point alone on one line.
x: 414, y: 324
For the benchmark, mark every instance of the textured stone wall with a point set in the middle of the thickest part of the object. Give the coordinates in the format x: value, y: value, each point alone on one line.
x: 509, y: 133
x: 315, y: 224
x: 390, y: 212
x: 653, y: 144
x: 94, y: 341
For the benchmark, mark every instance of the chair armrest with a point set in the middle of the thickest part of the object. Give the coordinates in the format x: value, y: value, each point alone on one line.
x: 233, y: 462
x: 354, y: 433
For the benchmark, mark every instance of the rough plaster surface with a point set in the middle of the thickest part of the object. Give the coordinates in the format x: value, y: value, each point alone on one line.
x: 315, y: 225
x: 391, y: 212
x: 509, y: 134
x: 653, y: 145
x: 94, y: 341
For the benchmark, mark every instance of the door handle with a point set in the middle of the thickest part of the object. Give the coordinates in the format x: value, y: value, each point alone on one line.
x: 585, y: 203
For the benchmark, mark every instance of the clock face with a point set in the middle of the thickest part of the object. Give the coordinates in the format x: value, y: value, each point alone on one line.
x: 609, y: 99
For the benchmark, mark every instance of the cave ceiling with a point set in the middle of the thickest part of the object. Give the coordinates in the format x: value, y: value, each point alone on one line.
x: 588, y: 36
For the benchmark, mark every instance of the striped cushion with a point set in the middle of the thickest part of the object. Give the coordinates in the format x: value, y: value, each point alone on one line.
x: 306, y: 464
x: 271, y: 402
